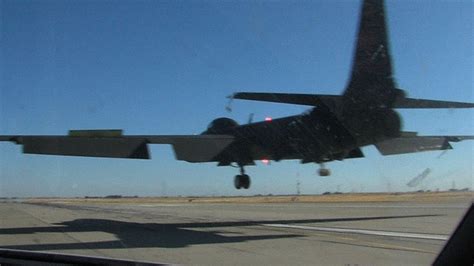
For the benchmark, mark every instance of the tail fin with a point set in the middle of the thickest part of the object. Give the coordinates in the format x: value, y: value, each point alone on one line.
x: 371, y: 81
x: 371, y: 84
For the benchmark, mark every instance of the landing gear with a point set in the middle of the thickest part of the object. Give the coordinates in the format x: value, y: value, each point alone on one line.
x: 242, y: 180
x: 323, y: 171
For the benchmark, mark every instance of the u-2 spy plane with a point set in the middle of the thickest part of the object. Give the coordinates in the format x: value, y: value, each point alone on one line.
x: 335, y: 128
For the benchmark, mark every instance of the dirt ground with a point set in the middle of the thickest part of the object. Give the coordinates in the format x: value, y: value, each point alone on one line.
x: 349, y: 197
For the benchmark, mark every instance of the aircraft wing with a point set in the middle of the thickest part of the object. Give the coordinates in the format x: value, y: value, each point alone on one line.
x: 112, y: 144
x: 411, y: 144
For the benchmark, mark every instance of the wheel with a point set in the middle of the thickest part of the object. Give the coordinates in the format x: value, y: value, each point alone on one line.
x: 245, y: 181
x: 242, y: 181
x: 324, y: 172
x: 237, y: 181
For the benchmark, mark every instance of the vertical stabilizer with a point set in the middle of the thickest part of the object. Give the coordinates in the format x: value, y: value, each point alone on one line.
x: 371, y: 82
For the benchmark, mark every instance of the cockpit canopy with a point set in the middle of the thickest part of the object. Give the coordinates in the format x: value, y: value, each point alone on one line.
x: 221, y: 125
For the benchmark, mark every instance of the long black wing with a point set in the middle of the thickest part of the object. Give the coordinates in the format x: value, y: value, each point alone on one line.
x: 191, y: 148
x: 411, y: 144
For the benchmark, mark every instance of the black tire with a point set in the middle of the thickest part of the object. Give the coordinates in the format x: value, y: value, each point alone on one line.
x: 245, y: 181
x: 324, y: 172
x: 238, y: 181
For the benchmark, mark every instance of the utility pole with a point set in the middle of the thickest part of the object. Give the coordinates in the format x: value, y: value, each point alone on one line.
x: 298, y: 191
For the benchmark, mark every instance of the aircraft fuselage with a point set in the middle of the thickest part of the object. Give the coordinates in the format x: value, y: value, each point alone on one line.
x: 315, y: 136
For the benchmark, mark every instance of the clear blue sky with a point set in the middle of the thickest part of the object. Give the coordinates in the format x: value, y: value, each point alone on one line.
x: 165, y: 67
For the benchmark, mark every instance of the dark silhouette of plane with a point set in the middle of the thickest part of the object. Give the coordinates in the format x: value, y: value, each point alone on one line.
x: 334, y: 129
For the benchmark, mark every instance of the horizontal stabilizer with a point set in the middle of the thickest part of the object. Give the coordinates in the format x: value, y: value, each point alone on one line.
x: 407, y: 103
x: 418, y: 144
x: 336, y: 100
x: 291, y: 98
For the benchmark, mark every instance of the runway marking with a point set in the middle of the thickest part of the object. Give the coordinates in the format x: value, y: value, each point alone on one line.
x: 361, y: 231
x: 331, y: 205
x: 162, y: 205
x: 386, y: 246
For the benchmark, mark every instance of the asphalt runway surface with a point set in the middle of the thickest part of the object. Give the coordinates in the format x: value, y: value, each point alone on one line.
x: 395, y: 233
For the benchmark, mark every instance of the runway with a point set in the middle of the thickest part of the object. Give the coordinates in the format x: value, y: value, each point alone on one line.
x: 380, y: 233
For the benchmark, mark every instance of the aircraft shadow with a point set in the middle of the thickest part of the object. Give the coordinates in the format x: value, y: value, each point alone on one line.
x: 163, y: 235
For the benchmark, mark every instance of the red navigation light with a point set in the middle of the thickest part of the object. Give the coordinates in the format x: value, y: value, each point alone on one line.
x: 265, y: 161
x: 268, y: 119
